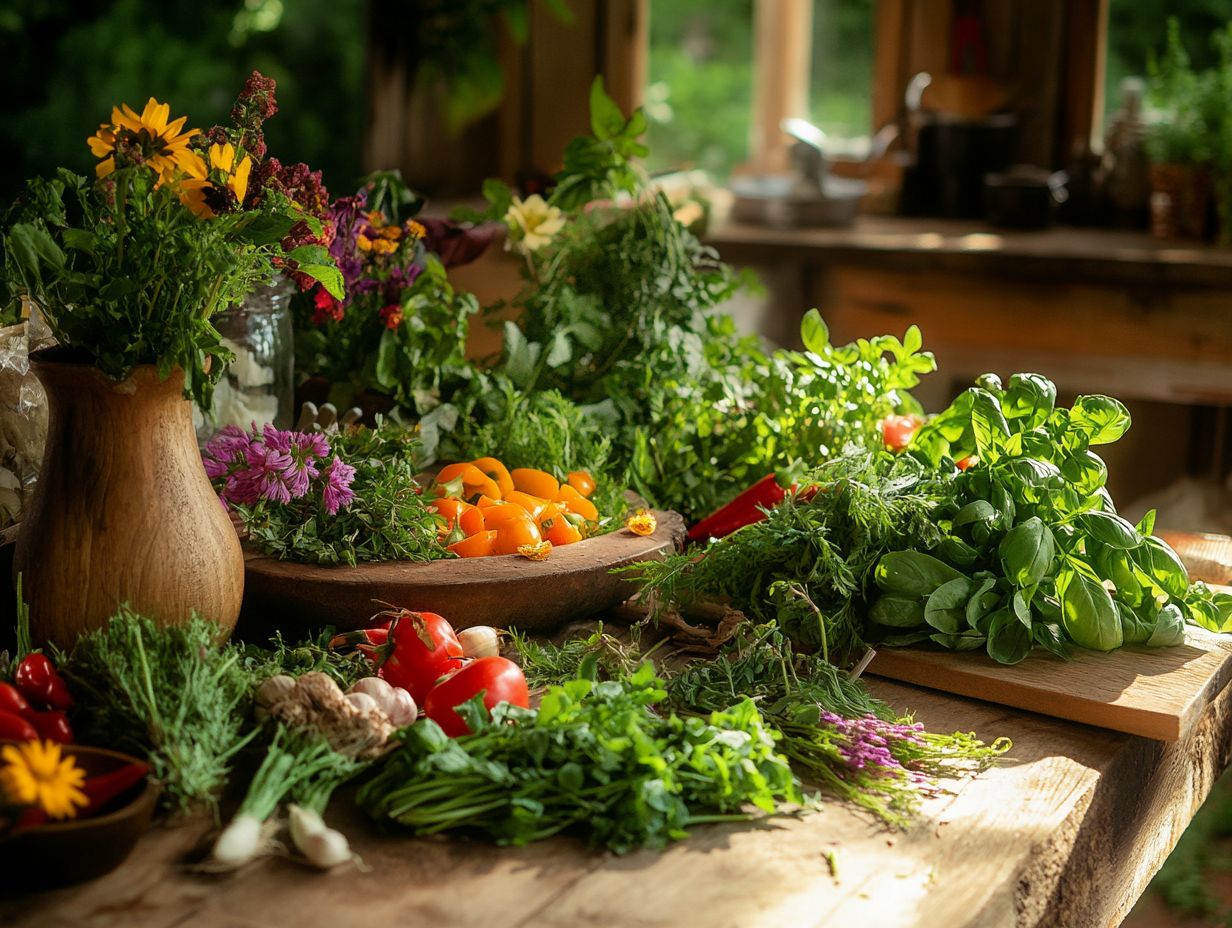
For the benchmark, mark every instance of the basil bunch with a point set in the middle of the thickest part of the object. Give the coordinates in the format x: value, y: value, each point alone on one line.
x: 1034, y: 553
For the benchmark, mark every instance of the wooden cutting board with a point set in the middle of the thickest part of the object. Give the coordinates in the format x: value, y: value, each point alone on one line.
x: 1157, y: 693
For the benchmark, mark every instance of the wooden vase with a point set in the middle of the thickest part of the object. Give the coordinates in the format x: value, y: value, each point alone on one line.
x: 123, y: 510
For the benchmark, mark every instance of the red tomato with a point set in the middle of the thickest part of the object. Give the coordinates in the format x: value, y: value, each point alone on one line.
x: 500, y: 679
x: 11, y: 700
x: 897, y: 431
x: 422, y: 648
x: 966, y: 462
x: 14, y: 728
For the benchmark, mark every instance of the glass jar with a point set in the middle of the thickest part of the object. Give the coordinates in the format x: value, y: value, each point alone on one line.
x: 23, y: 418
x: 258, y: 386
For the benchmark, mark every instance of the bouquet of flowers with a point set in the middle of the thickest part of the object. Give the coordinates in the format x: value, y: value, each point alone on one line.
x: 177, y: 225
x: 401, y: 329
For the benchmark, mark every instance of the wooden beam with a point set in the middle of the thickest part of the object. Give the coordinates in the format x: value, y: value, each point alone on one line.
x: 782, y: 49
x: 1086, y: 55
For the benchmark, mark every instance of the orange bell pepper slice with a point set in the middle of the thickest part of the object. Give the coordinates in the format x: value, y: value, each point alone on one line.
x: 574, y: 501
x: 495, y: 470
x: 581, y: 481
x: 535, y: 482
x: 478, y: 545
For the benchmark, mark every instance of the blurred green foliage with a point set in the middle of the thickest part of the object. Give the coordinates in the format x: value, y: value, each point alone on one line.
x: 1136, y: 32
x: 699, y: 96
x: 65, y: 63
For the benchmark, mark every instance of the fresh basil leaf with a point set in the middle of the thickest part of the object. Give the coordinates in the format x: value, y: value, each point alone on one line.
x: 967, y: 641
x: 1088, y: 613
x: 1110, y: 529
x: 1086, y: 472
x: 983, y: 602
x: 979, y: 510
x: 946, y: 607
x: 1101, y: 418
x: 1009, y: 640
x: 957, y: 552
x: 912, y: 573
x: 1047, y: 635
x: 1169, y: 628
x: 1030, y: 398
x: 1027, y: 552
x: 897, y: 611
x: 988, y: 425
x: 1133, y: 629
x: 1161, y: 564
x: 1020, y: 604
x: 1146, y: 525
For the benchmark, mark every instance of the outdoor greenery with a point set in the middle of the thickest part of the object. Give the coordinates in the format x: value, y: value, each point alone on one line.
x: 65, y: 62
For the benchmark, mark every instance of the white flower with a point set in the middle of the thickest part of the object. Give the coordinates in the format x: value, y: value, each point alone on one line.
x: 532, y: 223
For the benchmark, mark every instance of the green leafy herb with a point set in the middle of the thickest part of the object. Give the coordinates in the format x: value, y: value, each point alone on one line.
x: 591, y: 759
x: 172, y: 694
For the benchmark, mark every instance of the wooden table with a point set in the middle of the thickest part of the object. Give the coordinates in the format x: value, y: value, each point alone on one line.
x: 1067, y: 832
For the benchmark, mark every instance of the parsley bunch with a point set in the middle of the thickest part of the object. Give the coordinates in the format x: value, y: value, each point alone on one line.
x: 592, y: 759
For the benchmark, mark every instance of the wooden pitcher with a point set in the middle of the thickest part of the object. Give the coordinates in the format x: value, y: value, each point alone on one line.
x: 123, y: 510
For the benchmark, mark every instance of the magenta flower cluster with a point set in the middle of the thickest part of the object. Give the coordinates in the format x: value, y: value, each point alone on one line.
x: 866, y: 743
x: 277, y: 466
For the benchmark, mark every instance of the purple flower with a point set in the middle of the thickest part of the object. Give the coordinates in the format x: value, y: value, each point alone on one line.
x: 337, y: 493
x: 270, y: 472
x: 225, y: 449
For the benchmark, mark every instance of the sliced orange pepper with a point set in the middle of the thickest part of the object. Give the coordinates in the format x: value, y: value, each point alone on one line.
x: 450, y: 507
x: 581, y: 481
x: 496, y: 516
x: 535, y: 482
x: 485, y: 501
x: 497, y: 471
x: 559, y: 530
x: 474, y: 482
x: 513, y: 534
x: 478, y: 545
x: 472, y: 521
x: 532, y: 504
x: 574, y: 501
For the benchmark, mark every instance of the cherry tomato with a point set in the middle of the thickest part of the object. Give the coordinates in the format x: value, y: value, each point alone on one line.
x: 422, y: 647
x: 14, y: 728
x: 532, y: 504
x: 897, y: 431
x: 500, y: 679
x: 535, y: 482
x: 513, y: 534
x: 574, y: 501
x: 966, y: 462
x: 11, y: 700
x: 496, y: 471
x: 39, y: 682
x: 472, y: 521
x: 477, y: 545
x: 581, y: 481
x: 51, y: 725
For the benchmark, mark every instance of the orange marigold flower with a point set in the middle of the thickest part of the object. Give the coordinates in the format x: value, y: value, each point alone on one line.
x: 392, y: 315
x: 415, y: 230
x: 536, y: 552
x: 642, y: 522
x: 393, y: 233
x: 383, y: 246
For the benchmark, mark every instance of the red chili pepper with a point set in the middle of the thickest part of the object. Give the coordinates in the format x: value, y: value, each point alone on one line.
x: 52, y: 725
x: 31, y: 817
x: 102, y: 789
x: 744, y: 510
x: 364, y: 640
x: 15, y: 728
x: 39, y: 682
x: 11, y: 700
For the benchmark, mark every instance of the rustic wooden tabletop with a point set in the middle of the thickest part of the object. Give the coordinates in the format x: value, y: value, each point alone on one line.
x: 1067, y: 831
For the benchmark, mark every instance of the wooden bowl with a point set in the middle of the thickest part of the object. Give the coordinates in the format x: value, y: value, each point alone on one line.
x: 62, y: 853
x: 502, y: 590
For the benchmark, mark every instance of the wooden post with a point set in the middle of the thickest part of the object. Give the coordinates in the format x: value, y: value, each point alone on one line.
x: 782, y: 48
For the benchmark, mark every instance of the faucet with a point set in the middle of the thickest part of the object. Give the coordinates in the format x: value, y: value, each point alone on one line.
x: 807, y: 155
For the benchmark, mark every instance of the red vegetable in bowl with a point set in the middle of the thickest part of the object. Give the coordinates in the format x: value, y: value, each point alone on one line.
x: 500, y: 680
x: 11, y: 700
x: 39, y: 681
x: 102, y: 789
x: 51, y: 725
x: 15, y: 728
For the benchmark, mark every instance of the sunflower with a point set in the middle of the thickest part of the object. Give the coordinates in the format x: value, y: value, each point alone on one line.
x: 202, y: 195
x: 34, y: 774
x: 147, y: 139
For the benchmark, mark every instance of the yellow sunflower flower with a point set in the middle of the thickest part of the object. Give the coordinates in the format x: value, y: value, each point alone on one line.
x: 34, y: 774
x: 152, y: 139
x: 234, y: 175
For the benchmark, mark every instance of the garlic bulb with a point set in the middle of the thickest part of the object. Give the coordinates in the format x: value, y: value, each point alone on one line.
x: 480, y: 641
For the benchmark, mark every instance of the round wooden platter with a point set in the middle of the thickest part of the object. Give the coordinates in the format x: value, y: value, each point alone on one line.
x: 503, y: 590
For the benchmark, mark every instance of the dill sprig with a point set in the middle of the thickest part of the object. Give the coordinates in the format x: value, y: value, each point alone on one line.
x: 173, y: 694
